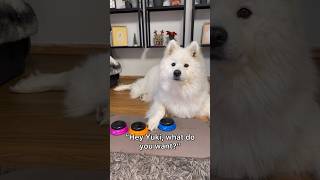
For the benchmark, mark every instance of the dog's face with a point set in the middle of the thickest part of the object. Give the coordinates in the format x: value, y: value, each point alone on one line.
x: 255, y: 42
x: 181, y: 64
x: 243, y: 28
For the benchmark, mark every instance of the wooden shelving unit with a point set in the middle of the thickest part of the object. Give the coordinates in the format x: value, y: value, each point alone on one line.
x: 201, y: 6
x: 139, y: 12
x: 145, y: 21
x: 166, y: 8
x: 195, y: 8
x: 118, y: 11
x: 149, y: 10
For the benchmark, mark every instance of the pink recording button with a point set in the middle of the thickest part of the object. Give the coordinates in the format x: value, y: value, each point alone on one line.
x: 118, y: 128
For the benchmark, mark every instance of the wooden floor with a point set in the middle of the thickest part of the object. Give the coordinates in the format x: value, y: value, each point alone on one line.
x: 34, y: 131
x: 121, y: 103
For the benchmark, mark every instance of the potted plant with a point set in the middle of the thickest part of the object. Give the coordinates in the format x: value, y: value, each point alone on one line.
x: 175, y: 2
x: 171, y: 34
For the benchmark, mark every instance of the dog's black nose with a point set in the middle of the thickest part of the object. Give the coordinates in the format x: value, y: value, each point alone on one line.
x: 219, y: 35
x: 177, y: 73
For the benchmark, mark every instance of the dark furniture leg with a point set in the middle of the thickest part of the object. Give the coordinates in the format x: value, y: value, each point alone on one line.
x: 12, y: 59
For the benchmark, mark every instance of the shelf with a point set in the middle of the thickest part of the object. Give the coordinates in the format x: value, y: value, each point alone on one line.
x: 196, y: 7
x: 136, y: 11
x: 205, y: 45
x: 166, y: 8
x: 126, y: 47
x: 119, y: 11
x: 161, y: 46
x: 156, y: 46
x: 202, y: 6
x: 150, y: 10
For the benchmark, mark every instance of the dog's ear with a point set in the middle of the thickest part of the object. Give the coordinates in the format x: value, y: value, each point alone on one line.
x: 194, y: 49
x: 171, y: 47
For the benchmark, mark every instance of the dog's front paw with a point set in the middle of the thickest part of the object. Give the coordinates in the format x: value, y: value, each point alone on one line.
x: 153, y: 124
x: 203, y: 118
x: 145, y: 97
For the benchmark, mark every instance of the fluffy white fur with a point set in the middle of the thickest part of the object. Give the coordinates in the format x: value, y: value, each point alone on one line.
x: 266, y: 120
x: 185, y: 98
x: 85, y: 86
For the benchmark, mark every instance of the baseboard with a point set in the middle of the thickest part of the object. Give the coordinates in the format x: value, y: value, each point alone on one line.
x: 83, y: 49
x: 68, y: 49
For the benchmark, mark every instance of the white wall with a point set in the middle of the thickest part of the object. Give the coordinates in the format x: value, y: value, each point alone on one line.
x: 136, y: 62
x: 70, y: 21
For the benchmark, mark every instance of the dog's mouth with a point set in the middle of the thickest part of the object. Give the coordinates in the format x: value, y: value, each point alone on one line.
x: 176, y: 78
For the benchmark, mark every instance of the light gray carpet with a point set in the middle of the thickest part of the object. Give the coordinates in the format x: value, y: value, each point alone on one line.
x: 124, y: 166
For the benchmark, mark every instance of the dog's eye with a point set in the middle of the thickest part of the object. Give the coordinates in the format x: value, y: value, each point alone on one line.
x: 244, y: 13
x: 186, y: 65
x: 173, y: 64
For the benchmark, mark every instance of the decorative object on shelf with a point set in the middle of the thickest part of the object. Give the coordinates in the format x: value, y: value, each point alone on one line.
x: 171, y: 35
x: 204, y: 2
x: 197, y: 2
x: 135, y: 42
x: 205, y: 39
x: 150, y: 3
x: 158, y: 38
x: 120, y: 4
x: 157, y: 3
x: 166, y: 3
x: 119, y: 36
x: 128, y: 4
x: 112, y: 4
x: 175, y: 2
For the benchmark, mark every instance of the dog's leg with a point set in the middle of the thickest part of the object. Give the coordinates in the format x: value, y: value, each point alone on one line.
x: 146, y: 97
x: 123, y: 87
x: 155, y: 114
x: 41, y: 82
x: 138, y: 88
x: 205, y: 113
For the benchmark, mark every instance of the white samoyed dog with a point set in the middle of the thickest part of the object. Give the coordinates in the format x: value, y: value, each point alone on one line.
x: 85, y: 86
x: 266, y: 119
x: 178, y: 85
